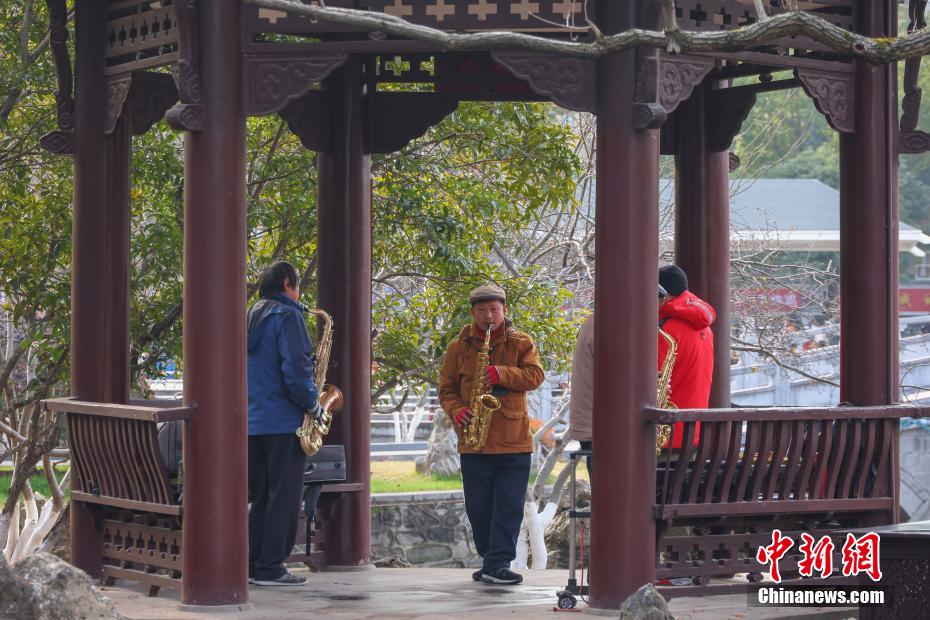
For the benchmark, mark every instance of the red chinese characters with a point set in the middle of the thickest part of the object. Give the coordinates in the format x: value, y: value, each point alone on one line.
x: 860, y: 555
x: 817, y: 556
x: 774, y: 552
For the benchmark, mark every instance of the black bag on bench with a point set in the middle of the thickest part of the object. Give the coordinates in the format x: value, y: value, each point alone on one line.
x: 327, y: 465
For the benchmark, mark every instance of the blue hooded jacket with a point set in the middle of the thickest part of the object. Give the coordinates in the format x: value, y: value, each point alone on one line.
x: 281, y: 365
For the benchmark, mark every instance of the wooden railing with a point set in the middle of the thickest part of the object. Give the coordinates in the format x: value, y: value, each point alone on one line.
x: 819, y: 470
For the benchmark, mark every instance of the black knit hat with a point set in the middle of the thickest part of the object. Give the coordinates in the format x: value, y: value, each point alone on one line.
x: 673, y: 279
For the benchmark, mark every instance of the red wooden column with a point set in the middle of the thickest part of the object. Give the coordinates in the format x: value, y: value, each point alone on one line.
x: 622, y: 525
x: 99, y: 254
x: 869, y: 229
x: 215, y: 531
x: 344, y: 290
x: 702, y: 228
x: 869, y: 233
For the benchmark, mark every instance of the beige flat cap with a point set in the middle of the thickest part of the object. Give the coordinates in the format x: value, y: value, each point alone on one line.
x: 487, y: 292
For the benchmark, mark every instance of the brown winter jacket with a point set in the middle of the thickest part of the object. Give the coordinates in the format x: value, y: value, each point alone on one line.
x: 517, y: 361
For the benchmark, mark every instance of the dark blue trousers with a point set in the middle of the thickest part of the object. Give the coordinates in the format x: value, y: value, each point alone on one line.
x: 495, y: 488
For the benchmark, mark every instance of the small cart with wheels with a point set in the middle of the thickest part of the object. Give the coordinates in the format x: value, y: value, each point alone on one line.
x: 568, y: 597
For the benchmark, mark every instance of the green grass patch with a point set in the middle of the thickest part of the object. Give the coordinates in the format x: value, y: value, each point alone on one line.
x: 402, y: 477
x: 39, y: 485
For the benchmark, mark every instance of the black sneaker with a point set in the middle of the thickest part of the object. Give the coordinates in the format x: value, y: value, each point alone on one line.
x: 502, y: 576
x: 287, y: 579
x: 476, y: 576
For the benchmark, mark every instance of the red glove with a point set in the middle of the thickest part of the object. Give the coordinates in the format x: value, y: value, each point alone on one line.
x: 491, y: 375
x: 463, y: 417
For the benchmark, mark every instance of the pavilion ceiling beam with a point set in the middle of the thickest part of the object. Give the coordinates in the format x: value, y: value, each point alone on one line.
x: 878, y: 50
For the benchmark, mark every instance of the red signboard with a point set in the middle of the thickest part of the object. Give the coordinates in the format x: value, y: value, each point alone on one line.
x: 913, y: 299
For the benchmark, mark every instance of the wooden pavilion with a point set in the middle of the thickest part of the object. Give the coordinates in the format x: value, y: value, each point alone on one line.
x: 826, y: 468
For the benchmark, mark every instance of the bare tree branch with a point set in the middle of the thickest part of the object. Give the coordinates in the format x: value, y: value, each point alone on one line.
x: 752, y: 348
x: 763, y: 32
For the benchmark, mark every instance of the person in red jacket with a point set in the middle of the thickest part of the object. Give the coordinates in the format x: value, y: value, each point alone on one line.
x: 687, y: 318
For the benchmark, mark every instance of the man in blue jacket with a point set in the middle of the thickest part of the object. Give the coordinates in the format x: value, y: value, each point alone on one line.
x: 281, y: 389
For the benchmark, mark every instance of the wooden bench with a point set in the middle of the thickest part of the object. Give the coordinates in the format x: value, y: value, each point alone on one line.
x: 315, y: 557
x: 817, y: 470
x: 119, y: 472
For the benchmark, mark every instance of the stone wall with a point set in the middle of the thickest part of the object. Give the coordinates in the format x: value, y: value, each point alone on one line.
x: 424, y: 529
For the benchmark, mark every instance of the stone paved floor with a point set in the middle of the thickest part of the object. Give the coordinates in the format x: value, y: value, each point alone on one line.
x: 424, y: 594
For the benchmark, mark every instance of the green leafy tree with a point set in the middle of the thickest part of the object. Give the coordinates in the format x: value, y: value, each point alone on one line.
x: 448, y: 211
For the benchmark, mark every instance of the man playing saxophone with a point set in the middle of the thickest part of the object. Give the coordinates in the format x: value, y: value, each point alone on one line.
x: 281, y: 389
x: 581, y: 403
x: 686, y: 318
x: 494, y: 439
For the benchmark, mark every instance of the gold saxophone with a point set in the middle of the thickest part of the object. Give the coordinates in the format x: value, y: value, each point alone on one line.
x: 313, y: 431
x: 482, y: 403
x: 664, y: 431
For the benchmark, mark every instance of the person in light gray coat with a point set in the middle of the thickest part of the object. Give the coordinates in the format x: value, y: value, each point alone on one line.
x: 581, y: 402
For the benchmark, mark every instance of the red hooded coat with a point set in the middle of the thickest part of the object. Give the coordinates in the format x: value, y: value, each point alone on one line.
x: 687, y: 319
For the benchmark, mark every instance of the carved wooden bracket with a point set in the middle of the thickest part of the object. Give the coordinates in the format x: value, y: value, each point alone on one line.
x: 567, y: 82
x: 725, y: 110
x: 662, y: 82
x: 60, y: 142
x: 397, y: 118
x: 188, y: 114
x: 308, y: 118
x: 188, y: 69
x: 648, y: 113
x: 185, y: 117
x: 58, y: 41
x: 144, y: 97
x: 271, y: 81
x: 151, y: 95
x: 117, y: 91
x: 833, y: 95
x: 910, y: 139
x: 678, y: 76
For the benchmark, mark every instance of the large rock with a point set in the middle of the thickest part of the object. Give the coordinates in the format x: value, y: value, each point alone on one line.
x: 43, y: 587
x: 556, y: 534
x: 442, y: 456
x: 15, y: 596
x: 645, y: 604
